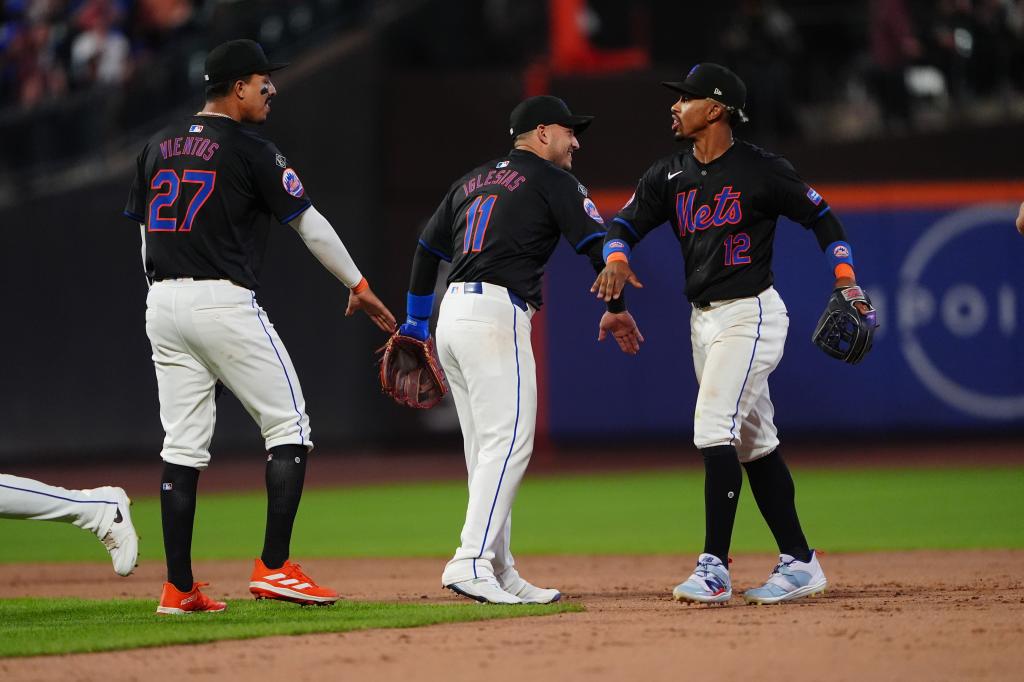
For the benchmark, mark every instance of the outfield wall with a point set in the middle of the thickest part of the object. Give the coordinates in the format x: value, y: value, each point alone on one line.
x: 942, y: 264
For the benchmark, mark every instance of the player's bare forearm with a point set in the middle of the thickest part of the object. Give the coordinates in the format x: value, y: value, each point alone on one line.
x: 611, y: 281
x: 368, y: 302
x: 623, y: 329
x: 1020, y: 219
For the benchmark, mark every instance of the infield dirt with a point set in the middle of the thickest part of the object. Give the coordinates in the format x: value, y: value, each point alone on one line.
x: 904, y: 616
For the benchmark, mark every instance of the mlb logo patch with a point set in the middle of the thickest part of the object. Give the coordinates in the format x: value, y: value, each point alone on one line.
x: 592, y: 211
x: 291, y: 183
x: 502, y: 164
x: 195, y: 129
x: 167, y: 487
x: 813, y: 196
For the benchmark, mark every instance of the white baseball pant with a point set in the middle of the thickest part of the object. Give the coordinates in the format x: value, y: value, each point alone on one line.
x: 25, y: 498
x: 736, y: 345
x: 483, y: 341
x: 203, y: 331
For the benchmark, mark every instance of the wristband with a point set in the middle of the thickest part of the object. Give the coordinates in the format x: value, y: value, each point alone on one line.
x: 362, y: 286
x: 419, y: 307
x: 616, y: 249
x: 844, y: 270
x: 839, y: 253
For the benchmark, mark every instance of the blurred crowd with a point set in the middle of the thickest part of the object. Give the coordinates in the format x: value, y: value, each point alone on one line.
x: 49, y: 48
x: 76, y: 74
x: 73, y: 72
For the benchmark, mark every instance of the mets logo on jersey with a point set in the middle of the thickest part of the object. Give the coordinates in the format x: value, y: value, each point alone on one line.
x: 592, y: 211
x: 813, y: 196
x: 195, y: 129
x: 291, y: 182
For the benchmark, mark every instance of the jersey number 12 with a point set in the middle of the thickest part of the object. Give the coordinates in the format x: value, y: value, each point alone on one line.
x: 169, y: 185
x: 477, y: 217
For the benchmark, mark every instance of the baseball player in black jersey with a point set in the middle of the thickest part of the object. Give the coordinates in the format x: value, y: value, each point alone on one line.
x: 205, y: 192
x: 723, y: 198
x: 498, y: 225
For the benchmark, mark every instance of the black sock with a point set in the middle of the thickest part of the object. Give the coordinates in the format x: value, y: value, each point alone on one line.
x: 286, y: 470
x: 773, y: 490
x: 723, y: 479
x: 177, y: 512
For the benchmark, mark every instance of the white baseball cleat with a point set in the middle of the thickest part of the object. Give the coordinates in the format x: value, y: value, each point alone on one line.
x: 485, y: 590
x: 513, y: 583
x: 120, y: 538
x: 790, y: 579
x: 708, y: 584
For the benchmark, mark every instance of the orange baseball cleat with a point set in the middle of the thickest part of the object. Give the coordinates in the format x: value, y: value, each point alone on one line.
x: 175, y: 602
x: 288, y: 583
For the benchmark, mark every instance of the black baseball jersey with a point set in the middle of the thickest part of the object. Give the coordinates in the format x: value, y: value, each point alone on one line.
x: 724, y: 214
x: 501, y: 222
x: 206, y: 189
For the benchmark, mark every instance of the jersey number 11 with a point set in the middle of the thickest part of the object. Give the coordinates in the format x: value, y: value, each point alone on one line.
x: 477, y: 217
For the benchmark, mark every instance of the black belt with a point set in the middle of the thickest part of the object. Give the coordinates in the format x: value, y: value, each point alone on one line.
x: 701, y: 305
x: 478, y: 288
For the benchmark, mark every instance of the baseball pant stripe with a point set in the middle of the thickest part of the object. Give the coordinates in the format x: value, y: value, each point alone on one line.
x: 511, y: 445
x: 291, y: 389
x: 753, y: 352
x: 57, y: 497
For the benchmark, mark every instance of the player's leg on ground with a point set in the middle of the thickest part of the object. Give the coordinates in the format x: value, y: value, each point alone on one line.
x: 770, y: 480
x: 187, y: 412
x: 25, y: 498
x: 240, y: 345
x: 773, y: 489
x: 285, y: 474
x: 460, y: 394
x: 496, y: 357
x: 736, y: 346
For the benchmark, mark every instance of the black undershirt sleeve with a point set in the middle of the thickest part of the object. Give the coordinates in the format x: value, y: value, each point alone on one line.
x: 424, y: 272
x: 828, y: 229
x: 594, y: 253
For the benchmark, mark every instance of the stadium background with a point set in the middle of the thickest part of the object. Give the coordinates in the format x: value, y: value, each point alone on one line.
x: 912, y: 131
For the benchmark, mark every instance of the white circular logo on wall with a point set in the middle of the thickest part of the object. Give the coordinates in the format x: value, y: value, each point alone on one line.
x: 963, y: 310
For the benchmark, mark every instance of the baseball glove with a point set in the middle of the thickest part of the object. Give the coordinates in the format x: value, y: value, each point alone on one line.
x: 411, y: 373
x: 843, y: 332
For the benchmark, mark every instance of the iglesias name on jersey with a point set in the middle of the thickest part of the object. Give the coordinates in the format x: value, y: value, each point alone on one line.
x: 501, y: 222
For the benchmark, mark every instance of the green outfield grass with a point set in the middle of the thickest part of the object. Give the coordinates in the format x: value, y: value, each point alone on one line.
x: 628, y: 513
x: 32, y: 627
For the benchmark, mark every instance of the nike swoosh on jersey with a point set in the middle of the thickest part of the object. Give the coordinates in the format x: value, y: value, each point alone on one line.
x: 672, y: 175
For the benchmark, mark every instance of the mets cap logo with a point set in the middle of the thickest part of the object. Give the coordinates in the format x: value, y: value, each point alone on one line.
x: 592, y: 211
x: 813, y: 196
x: 292, y: 184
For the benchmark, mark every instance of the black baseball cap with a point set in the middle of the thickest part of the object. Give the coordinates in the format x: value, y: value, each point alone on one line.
x: 715, y: 82
x: 237, y: 58
x: 545, y: 110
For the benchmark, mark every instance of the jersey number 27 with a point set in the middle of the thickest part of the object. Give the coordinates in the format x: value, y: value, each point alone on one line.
x: 168, y: 184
